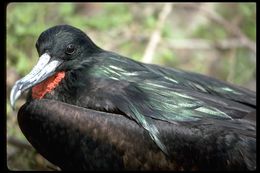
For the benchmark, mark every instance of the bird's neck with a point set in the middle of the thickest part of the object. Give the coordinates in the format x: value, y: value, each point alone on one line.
x: 46, y: 86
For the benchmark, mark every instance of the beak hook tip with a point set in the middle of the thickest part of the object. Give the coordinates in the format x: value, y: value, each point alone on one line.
x: 15, y: 93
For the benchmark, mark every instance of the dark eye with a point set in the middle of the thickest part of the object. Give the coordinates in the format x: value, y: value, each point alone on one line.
x: 70, y: 49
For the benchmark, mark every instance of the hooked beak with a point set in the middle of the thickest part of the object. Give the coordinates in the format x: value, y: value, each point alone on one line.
x: 44, y: 68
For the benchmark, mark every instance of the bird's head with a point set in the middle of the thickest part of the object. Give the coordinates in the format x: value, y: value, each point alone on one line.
x: 60, y: 49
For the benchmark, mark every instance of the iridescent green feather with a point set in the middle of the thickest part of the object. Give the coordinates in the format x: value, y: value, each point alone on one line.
x: 168, y: 94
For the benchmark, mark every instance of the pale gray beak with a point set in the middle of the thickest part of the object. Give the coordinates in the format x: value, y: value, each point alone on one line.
x: 42, y: 70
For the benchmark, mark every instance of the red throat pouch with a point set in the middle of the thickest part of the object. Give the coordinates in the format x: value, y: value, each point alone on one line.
x: 47, y: 85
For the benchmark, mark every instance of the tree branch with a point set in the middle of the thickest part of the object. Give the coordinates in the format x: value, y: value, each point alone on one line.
x: 203, y: 44
x: 156, y: 36
x: 18, y: 143
x: 233, y: 29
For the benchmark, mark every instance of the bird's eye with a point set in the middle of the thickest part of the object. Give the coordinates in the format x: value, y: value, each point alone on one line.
x: 70, y: 49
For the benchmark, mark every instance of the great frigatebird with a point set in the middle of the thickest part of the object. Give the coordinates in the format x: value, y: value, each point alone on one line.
x: 88, y: 108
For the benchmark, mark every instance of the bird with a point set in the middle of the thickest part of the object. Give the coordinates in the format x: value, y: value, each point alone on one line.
x: 88, y: 108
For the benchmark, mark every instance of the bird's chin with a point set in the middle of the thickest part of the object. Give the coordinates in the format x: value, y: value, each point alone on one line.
x: 46, y: 86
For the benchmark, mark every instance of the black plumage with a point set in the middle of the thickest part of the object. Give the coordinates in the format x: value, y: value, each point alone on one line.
x: 188, y: 120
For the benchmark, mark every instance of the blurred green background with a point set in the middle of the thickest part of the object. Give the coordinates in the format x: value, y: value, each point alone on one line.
x: 216, y: 39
